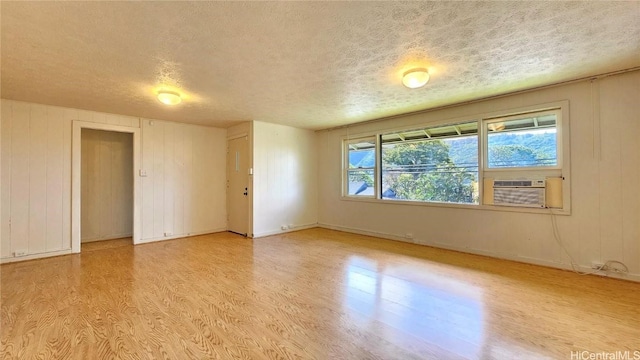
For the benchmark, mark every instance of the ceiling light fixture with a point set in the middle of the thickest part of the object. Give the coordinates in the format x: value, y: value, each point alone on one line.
x: 415, y: 78
x: 169, y: 97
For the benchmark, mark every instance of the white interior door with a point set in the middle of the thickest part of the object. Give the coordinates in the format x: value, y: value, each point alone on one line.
x: 238, y: 185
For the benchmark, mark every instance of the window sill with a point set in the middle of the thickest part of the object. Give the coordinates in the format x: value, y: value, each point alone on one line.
x: 545, y: 211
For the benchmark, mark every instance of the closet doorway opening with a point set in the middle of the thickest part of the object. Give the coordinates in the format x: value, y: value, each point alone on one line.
x: 105, y: 185
x: 106, y: 188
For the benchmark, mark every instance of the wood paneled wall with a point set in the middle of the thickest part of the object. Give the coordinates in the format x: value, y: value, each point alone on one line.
x: 285, y: 179
x: 36, y: 175
x: 107, y: 185
x: 618, y: 171
x: 183, y: 192
x: 35, y: 179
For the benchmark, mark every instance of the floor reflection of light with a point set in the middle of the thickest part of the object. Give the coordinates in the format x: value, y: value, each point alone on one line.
x: 438, y: 310
x: 361, y: 292
x: 501, y: 349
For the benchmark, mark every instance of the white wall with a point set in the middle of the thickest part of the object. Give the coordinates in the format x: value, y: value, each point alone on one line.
x: 36, y: 179
x: 285, y: 178
x: 36, y: 176
x: 605, y: 165
x: 107, y: 185
x: 184, y: 192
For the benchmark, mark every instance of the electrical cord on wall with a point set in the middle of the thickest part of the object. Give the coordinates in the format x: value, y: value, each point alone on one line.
x: 607, y: 266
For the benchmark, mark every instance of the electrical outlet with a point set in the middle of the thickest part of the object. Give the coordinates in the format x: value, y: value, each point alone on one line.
x: 18, y: 253
x: 596, y: 265
x: 284, y: 227
x: 168, y: 233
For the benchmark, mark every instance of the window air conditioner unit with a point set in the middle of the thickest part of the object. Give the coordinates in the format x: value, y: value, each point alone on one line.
x: 524, y: 193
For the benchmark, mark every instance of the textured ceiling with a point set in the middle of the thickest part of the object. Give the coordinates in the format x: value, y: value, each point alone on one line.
x: 306, y: 64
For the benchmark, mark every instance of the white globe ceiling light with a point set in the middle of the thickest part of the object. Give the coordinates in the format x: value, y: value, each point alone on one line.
x: 169, y: 97
x: 415, y: 78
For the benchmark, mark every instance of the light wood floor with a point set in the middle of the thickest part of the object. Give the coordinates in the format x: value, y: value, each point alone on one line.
x: 105, y: 244
x: 313, y: 294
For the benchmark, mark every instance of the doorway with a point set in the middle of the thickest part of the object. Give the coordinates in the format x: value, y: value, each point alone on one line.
x: 238, y: 185
x: 106, y: 186
x: 76, y: 178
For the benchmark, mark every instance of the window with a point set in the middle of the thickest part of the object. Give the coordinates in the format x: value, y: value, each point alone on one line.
x: 438, y: 164
x: 523, y: 141
x: 360, y: 167
x: 460, y: 162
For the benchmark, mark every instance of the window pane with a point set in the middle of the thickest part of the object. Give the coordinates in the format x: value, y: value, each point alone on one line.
x: 362, y: 158
x: 361, y: 168
x: 442, y: 170
x: 524, y: 142
x: 360, y: 182
x: 362, y: 153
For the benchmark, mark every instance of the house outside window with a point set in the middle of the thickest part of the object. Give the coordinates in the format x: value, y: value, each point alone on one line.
x: 360, y: 169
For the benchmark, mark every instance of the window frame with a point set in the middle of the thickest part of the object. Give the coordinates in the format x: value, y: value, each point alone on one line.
x: 485, y: 143
x: 562, y: 169
x: 460, y: 132
x: 346, y: 142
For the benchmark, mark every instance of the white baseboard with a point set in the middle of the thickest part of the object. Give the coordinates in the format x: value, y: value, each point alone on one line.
x: 68, y: 251
x: 173, y: 237
x: 522, y: 259
x: 35, y: 256
x: 539, y: 262
x: 279, y: 231
x: 366, y: 232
